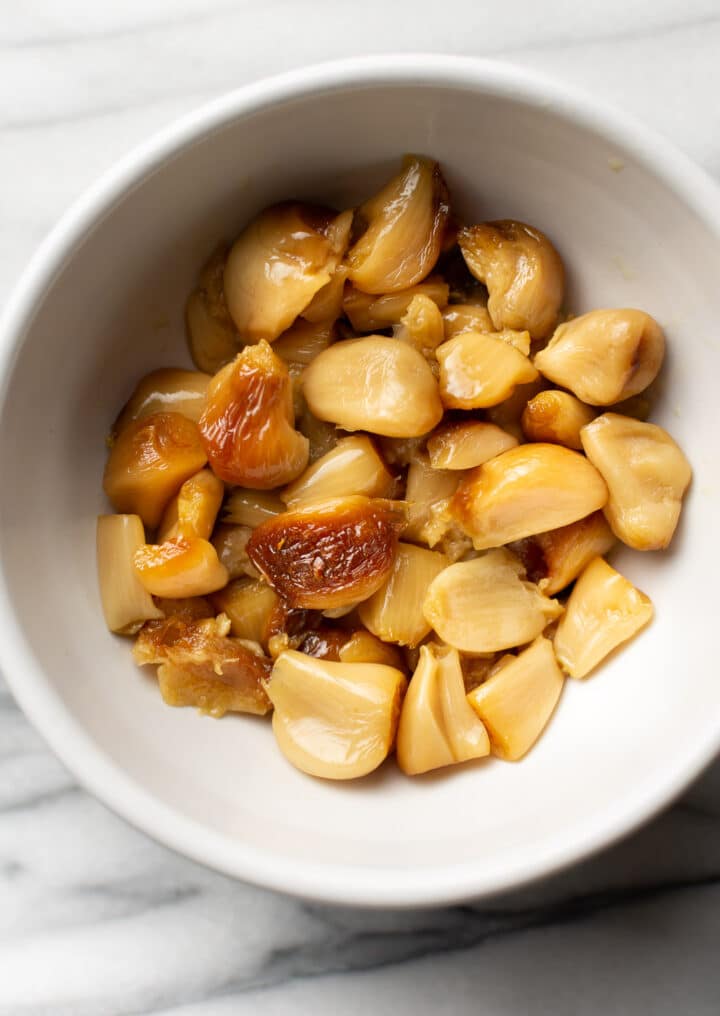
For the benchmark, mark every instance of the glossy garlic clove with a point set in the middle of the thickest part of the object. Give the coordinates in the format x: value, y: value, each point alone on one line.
x: 395, y: 612
x: 646, y: 473
x: 375, y: 384
x: 485, y: 604
x: 604, y: 610
x: 467, y: 445
x: 180, y: 567
x: 328, y: 554
x: 421, y: 326
x: 334, y: 720
x: 370, y: 313
x: 556, y: 417
x: 527, y: 490
x: 354, y: 466
x: 247, y: 426
x: 516, y: 702
x: 194, y: 509
x: 604, y: 356
x: 167, y: 390
x: 480, y: 369
x: 466, y: 317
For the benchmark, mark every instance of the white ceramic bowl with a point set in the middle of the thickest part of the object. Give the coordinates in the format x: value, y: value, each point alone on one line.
x: 101, y: 304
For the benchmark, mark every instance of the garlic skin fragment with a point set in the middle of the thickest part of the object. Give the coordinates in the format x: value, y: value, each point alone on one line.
x: 523, y: 273
x: 603, y: 611
x: 466, y: 445
x: 336, y: 721
x: 604, y: 356
x: 354, y: 466
x: 125, y: 602
x: 395, y: 612
x: 517, y: 701
x: 405, y: 225
x: 286, y: 255
x: 168, y: 390
x: 437, y: 725
x: 480, y: 369
x: 377, y: 384
x: 530, y: 489
x: 485, y: 604
x: 646, y: 473
x: 556, y: 417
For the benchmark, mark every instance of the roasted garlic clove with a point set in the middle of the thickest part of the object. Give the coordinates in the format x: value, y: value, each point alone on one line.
x: 249, y: 603
x: 168, y: 390
x: 328, y: 554
x: 437, y: 727
x: 180, y: 567
x: 354, y: 466
x: 126, y: 602
x: 466, y: 317
x: 395, y: 612
x: 516, y: 703
x: 148, y: 463
x: 368, y: 313
x: 193, y: 510
x: 555, y: 559
x: 355, y: 646
x: 604, y: 356
x: 428, y: 490
x: 603, y: 611
x: 334, y: 720
x: 251, y: 507
x: 480, y: 369
x: 522, y: 271
x: 484, y: 605
x: 527, y: 490
x: 230, y: 542
x: 303, y: 340
x: 466, y: 445
x: 286, y: 255
x: 557, y: 417
x: 421, y: 326
x: 404, y: 227
x: 647, y: 476
x: 376, y: 384
x: 217, y: 673
x: 247, y: 426
x: 212, y: 336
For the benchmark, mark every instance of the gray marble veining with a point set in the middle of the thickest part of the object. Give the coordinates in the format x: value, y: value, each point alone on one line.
x: 97, y: 919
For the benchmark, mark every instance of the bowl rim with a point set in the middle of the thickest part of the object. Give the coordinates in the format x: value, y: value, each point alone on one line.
x: 96, y: 771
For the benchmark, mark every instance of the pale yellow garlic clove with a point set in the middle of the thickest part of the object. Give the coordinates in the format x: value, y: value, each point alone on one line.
x: 194, y: 509
x: 126, y: 603
x: 647, y: 476
x: 516, y: 703
x: 395, y: 612
x: 522, y: 271
x: 249, y: 603
x: 466, y: 317
x: 479, y: 369
x: 405, y: 224
x: 421, y: 326
x: 334, y: 720
x: 230, y: 542
x: 427, y: 488
x: 163, y: 391
x: 557, y: 417
x: 555, y: 559
x: 286, y: 255
x: 437, y: 726
x: 369, y: 313
x: 180, y: 567
x: 604, y: 356
x: 604, y: 610
x: 466, y: 445
x: 354, y: 466
x: 485, y: 604
x: 529, y: 489
x: 252, y: 507
x: 376, y: 384
x: 212, y: 335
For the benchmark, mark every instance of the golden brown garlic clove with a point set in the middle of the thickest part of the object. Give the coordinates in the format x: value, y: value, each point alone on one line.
x: 527, y: 490
x: 522, y: 271
x: 516, y: 702
x: 555, y: 559
x: 647, y: 476
x: 193, y: 510
x: 180, y: 567
x: 480, y: 369
x: 247, y: 426
x: 249, y: 603
x: 466, y: 445
x: 604, y: 610
x: 328, y: 554
x: 604, y: 356
x: 376, y: 384
x: 148, y: 463
x: 484, y: 605
x: 557, y: 417
x: 334, y: 720
x: 405, y: 223
x: 354, y: 466
x: 370, y: 313
x: 168, y: 390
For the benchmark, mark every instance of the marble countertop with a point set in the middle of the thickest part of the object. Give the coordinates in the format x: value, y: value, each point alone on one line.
x: 97, y: 919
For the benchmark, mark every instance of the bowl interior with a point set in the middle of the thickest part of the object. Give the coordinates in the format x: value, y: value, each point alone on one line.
x: 221, y: 791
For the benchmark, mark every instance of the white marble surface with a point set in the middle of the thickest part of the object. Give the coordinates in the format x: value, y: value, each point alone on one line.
x: 95, y: 918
